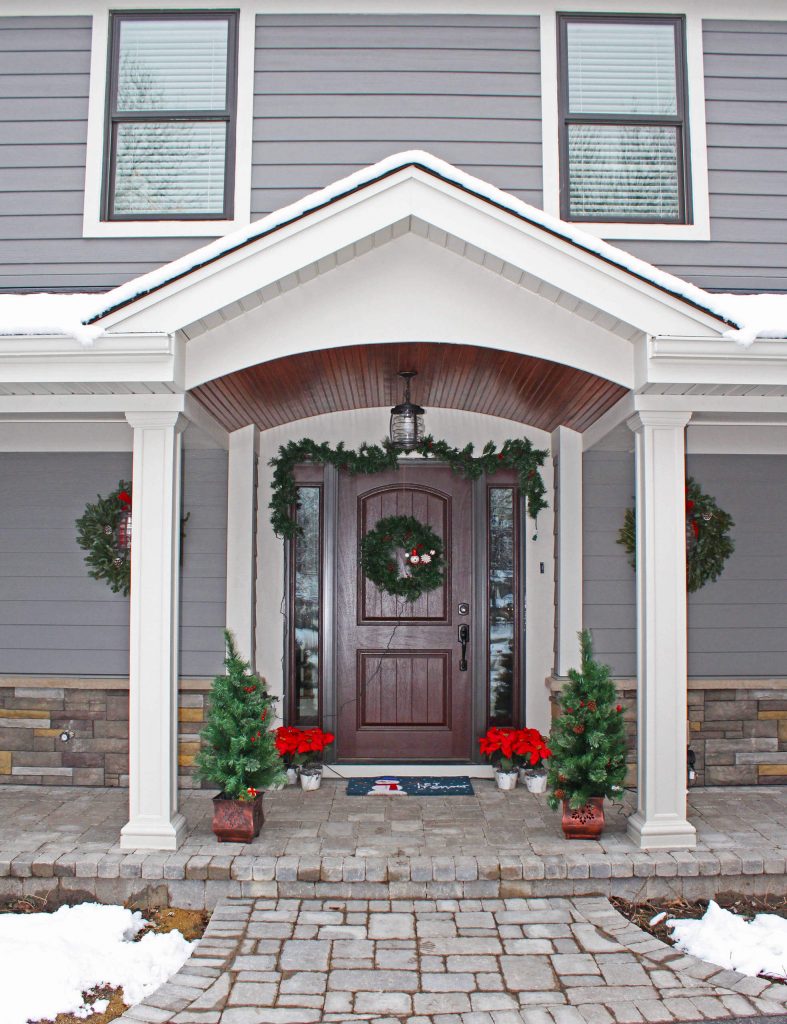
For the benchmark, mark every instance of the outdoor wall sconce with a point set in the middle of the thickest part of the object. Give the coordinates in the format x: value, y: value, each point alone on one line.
x: 407, y: 420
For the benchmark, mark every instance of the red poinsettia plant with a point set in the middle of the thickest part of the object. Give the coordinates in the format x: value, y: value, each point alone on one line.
x: 508, y: 748
x: 300, y: 747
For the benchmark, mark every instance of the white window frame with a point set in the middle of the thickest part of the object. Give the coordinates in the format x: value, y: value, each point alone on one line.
x: 699, y: 228
x: 93, y: 226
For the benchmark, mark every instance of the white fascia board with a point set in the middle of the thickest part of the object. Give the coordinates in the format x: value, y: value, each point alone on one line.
x: 256, y: 264
x: 559, y: 262
x: 699, y: 360
x: 407, y: 192
x: 150, y: 357
x: 109, y: 408
x: 720, y: 406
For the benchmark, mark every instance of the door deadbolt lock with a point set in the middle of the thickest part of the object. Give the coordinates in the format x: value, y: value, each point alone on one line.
x: 464, y: 608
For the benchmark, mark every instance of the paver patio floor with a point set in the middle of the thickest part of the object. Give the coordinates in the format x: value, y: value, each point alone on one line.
x: 488, y: 844
x: 515, y: 961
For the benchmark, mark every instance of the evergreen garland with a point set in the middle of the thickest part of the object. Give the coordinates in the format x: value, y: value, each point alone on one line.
x: 97, y: 534
x: 588, y: 740
x: 239, y: 753
x: 517, y: 454
x: 708, y: 543
x: 424, y: 557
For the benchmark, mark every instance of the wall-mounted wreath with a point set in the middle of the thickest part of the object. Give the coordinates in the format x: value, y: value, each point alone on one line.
x: 708, y: 541
x: 403, y: 557
x: 104, y: 531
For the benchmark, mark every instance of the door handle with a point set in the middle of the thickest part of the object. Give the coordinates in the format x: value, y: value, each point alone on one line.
x: 463, y: 637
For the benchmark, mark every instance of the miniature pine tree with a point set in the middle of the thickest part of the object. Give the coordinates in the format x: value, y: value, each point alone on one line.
x: 588, y: 741
x: 239, y: 753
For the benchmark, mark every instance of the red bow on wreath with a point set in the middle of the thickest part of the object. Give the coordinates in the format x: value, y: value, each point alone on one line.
x: 124, y: 497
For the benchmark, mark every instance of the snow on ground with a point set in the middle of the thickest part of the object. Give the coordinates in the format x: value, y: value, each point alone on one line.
x: 48, y: 960
x: 729, y: 940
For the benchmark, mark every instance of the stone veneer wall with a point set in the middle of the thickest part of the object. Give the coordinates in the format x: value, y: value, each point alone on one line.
x: 738, y: 733
x: 32, y: 719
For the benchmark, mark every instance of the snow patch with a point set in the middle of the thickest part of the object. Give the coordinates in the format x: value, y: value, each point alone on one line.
x: 49, y: 313
x: 729, y: 940
x: 48, y: 960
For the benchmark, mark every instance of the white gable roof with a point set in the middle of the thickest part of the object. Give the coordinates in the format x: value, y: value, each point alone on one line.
x: 87, y: 316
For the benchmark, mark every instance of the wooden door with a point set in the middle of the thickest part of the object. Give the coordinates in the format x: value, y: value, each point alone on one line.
x: 400, y: 695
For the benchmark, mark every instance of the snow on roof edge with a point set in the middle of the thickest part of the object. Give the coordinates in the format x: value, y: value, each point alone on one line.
x: 78, y: 315
x: 147, y: 283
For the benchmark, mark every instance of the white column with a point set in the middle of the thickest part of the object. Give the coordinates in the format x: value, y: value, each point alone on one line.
x: 567, y: 452
x: 154, y: 822
x: 660, y: 820
x: 241, y: 538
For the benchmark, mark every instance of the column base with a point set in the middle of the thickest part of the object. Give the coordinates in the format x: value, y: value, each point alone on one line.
x: 665, y: 833
x: 153, y: 835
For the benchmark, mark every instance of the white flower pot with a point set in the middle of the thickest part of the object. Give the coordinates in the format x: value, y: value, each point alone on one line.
x: 292, y: 776
x: 506, y: 780
x: 536, y: 782
x: 310, y: 778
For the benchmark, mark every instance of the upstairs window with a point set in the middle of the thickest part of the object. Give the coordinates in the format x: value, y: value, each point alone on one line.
x: 623, y: 131
x: 171, y: 116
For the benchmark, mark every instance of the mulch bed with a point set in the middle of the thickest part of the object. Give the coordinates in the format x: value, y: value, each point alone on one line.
x: 641, y: 913
x: 190, y: 923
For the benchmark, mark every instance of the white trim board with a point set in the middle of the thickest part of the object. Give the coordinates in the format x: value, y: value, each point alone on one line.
x: 757, y: 10
x: 699, y: 229
x: 337, y: 772
x: 92, y: 224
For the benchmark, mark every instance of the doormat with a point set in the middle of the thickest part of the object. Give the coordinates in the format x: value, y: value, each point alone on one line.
x: 411, y: 785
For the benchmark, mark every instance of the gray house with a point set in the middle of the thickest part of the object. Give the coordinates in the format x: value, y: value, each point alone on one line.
x: 225, y: 229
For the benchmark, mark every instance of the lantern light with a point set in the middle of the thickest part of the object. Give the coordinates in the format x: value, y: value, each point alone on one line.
x: 407, y: 419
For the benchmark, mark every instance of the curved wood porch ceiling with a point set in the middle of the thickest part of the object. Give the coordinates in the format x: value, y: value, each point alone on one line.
x: 522, y: 388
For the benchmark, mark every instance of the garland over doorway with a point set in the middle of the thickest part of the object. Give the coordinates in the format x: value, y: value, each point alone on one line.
x: 517, y: 454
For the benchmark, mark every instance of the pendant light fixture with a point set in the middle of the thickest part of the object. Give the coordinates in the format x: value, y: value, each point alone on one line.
x: 407, y: 419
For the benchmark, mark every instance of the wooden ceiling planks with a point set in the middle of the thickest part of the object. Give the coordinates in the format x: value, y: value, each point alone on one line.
x: 522, y: 388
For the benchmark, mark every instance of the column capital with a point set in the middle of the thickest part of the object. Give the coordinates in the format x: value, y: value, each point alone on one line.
x: 675, y: 418
x: 157, y: 419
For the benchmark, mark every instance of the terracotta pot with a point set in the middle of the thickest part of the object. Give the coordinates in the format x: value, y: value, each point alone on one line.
x: 237, y: 821
x: 584, y: 822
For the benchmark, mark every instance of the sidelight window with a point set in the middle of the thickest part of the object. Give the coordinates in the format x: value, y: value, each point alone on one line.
x: 502, y: 606
x: 623, y: 126
x: 306, y: 609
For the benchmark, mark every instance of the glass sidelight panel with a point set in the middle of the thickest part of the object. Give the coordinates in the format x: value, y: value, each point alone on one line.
x: 306, y: 590
x: 502, y: 606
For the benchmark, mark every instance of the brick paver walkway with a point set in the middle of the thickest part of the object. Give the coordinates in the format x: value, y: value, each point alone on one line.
x: 326, y: 845
x: 491, y: 961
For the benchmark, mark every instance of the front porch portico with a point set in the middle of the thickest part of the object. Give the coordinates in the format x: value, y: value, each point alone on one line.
x: 251, y: 338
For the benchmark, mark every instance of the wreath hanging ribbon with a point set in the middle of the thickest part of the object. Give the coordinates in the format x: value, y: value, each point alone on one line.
x: 103, y: 531
x: 708, y: 543
x: 403, y: 557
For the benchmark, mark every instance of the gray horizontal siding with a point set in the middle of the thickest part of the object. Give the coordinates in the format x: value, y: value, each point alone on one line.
x: 44, y: 81
x: 737, y: 625
x: 204, y: 567
x: 55, y: 619
x: 336, y: 92
x: 746, y: 116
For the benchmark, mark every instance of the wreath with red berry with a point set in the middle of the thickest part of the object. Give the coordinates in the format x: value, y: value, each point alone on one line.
x: 104, y: 532
x: 708, y: 541
x: 403, y: 557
